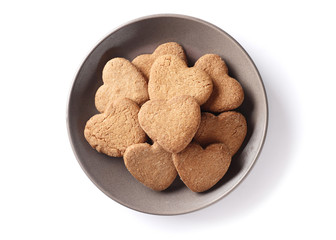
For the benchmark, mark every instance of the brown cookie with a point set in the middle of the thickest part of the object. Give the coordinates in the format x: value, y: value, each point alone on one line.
x: 121, y: 80
x: 227, y: 92
x: 200, y: 169
x: 144, y: 62
x: 114, y: 130
x: 170, y: 76
x: 229, y: 128
x: 172, y: 123
x: 151, y: 165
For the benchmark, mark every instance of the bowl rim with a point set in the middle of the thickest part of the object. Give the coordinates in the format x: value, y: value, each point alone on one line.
x: 180, y: 16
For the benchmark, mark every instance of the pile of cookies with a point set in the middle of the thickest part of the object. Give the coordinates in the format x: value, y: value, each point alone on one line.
x: 158, y: 114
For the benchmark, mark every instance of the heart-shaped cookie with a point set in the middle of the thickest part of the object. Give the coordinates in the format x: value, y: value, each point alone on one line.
x: 170, y: 76
x: 151, y: 165
x: 121, y: 80
x: 227, y: 92
x: 172, y: 123
x: 144, y: 62
x: 229, y: 128
x: 114, y: 130
x: 200, y: 169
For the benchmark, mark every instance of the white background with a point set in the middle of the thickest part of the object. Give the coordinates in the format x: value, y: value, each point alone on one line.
x: 290, y: 193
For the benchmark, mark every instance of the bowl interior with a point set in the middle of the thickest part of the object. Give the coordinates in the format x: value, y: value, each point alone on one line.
x: 143, y: 36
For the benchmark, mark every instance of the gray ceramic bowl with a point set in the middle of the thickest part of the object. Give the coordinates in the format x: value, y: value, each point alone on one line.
x: 143, y: 36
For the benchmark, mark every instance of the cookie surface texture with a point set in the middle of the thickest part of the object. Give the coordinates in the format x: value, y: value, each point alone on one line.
x: 200, y: 169
x: 172, y: 123
x: 227, y: 92
x: 121, y: 80
x: 151, y: 165
x: 144, y: 62
x: 229, y: 128
x: 170, y: 76
x: 114, y: 130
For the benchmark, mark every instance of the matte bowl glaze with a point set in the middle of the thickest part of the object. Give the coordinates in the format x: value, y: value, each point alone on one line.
x: 142, y: 36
